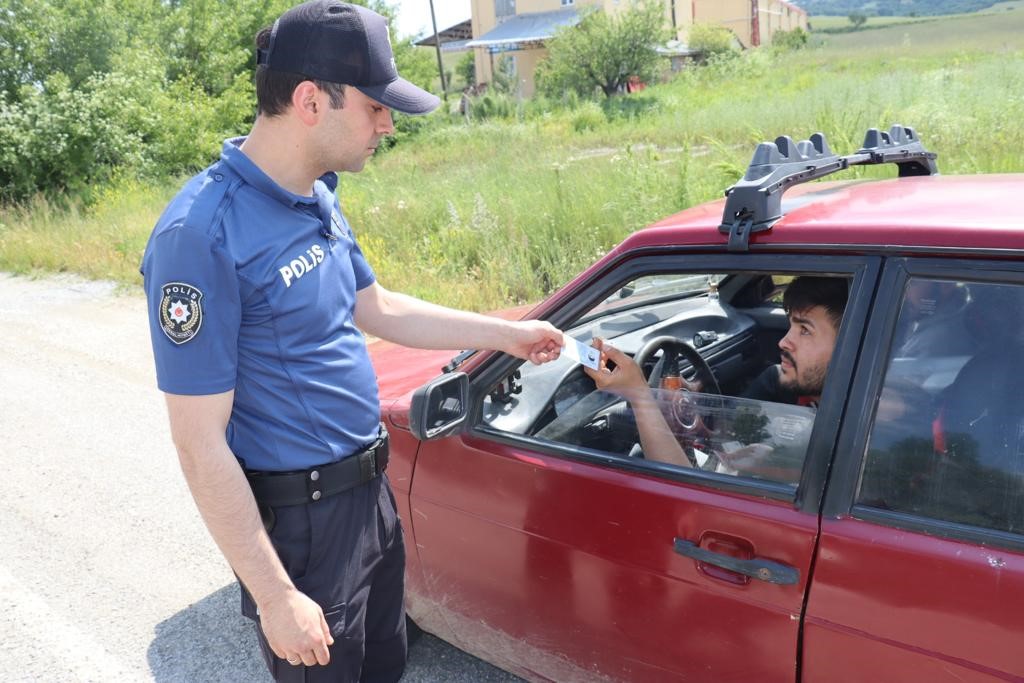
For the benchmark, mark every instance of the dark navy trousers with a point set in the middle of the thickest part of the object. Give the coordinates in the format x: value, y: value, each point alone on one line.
x: 345, y: 552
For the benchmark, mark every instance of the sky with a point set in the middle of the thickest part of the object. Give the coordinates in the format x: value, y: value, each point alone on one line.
x: 414, y: 15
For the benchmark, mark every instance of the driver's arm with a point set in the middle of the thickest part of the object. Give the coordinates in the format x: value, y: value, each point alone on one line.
x: 627, y: 380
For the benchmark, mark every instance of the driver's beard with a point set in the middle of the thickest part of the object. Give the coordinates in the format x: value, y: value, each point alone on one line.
x: 810, y: 384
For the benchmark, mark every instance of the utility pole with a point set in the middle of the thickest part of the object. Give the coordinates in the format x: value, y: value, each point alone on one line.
x: 755, y: 23
x: 437, y: 46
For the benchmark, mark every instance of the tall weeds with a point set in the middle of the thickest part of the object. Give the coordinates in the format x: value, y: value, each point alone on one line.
x: 504, y: 208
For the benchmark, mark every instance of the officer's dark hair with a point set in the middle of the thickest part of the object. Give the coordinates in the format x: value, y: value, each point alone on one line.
x: 274, y: 88
x: 806, y: 292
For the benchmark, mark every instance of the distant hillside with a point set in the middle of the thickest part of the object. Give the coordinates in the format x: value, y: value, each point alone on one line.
x: 888, y: 8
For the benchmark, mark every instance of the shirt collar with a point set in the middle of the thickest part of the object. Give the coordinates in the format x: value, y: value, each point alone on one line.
x: 232, y: 155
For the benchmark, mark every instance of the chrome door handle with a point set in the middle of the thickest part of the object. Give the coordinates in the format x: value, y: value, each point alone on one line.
x: 763, y: 570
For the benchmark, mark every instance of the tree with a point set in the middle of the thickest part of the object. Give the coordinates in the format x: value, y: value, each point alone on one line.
x: 604, y: 51
x: 93, y: 88
x: 857, y: 19
x: 77, y: 38
x: 466, y: 69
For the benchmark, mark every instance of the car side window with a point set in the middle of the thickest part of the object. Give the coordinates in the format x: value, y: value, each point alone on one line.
x: 708, y: 389
x: 947, y: 441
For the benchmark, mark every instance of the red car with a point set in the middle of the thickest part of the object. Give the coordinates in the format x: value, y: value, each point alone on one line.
x: 891, y: 545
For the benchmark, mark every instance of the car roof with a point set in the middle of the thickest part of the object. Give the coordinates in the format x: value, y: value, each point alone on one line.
x: 979, y: 212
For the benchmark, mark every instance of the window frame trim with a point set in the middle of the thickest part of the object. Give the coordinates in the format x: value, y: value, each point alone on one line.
x: 807, y: 495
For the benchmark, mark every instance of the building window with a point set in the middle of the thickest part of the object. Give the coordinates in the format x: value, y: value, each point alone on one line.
x: 503, y: 9
x: 507, y: 66
x: 566, y: 3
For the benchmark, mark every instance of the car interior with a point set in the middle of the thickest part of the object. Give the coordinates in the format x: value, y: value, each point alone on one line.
x: 949, y: 422
x: 720, y: 330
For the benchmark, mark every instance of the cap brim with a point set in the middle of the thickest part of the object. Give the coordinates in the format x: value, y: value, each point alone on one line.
x: 403, y: 96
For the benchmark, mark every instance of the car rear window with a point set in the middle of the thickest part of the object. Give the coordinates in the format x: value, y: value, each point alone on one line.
x: 948, y: 436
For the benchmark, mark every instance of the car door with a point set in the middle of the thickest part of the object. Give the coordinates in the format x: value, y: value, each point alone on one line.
x: 560, y: 562
x: 920, y: 568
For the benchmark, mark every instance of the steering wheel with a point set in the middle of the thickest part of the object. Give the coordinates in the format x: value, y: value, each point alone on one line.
x: 702, y: 379
x: 689, y: 424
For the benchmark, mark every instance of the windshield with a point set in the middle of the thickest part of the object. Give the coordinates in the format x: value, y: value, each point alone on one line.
x: 652, y: 288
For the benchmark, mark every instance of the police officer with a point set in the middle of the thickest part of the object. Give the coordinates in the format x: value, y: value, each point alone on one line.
x: 258, y: 293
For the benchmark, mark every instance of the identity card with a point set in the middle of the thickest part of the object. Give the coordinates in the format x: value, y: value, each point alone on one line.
x: 581, y: 353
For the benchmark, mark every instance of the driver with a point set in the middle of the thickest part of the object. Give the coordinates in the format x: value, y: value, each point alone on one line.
x: 815, y: 308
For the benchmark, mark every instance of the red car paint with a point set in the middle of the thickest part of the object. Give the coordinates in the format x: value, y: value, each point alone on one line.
x: 563, y: 570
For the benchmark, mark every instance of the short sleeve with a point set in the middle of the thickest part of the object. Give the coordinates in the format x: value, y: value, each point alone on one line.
x: 360, y: 268
x: 194, y: 312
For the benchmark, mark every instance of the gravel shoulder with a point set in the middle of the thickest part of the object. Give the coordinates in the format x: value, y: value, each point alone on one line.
x: 107, y: 573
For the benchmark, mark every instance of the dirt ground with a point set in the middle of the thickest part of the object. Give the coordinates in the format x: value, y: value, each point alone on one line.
x: 106, y: 571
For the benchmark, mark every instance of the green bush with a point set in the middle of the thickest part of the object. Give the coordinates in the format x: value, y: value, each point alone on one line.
x: 59, y: 138
x: 588, y: 116
x: 466, y: 69
x: 129, y: 120
x: 629, y: 108
x: 710, y: 40
x: 790, y: 40
x: 496, y: 105
x: 90, y: 88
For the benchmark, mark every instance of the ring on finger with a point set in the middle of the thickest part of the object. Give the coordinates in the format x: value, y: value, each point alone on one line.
x: 294, y: 661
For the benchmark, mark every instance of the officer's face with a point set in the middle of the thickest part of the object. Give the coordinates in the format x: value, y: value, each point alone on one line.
x: 348, y: 136
x: 806, y: 351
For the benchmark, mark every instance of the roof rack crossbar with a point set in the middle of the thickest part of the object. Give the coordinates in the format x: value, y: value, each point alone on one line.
x: 754, y: 204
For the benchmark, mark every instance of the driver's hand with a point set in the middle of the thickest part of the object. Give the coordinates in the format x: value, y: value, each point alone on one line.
x: 626, y: 378
x: 754, y: 461
x: 746, y: 459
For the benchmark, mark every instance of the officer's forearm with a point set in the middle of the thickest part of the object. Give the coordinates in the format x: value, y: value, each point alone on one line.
x: 229, y: 510
x: 412, y: 322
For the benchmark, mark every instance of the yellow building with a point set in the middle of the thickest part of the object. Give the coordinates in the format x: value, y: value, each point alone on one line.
x: 510, y: 34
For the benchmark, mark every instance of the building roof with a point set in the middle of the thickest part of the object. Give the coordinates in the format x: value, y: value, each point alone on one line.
x: 456, y: 35
x: 533, y: 27
x: 794, y: 7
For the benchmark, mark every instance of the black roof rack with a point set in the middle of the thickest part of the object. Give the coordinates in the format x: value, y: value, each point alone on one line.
x: 754, y: 204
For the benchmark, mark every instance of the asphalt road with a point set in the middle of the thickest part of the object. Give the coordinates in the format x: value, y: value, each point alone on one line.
x: 106, y: 571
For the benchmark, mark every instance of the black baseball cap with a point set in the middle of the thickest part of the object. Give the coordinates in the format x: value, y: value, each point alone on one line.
x: 337, y: 42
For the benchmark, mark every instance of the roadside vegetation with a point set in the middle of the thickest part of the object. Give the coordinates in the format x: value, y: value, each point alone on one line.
x: 504, y: 206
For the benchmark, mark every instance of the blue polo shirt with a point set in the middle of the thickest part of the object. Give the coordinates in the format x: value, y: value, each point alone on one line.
x: 252, y: 288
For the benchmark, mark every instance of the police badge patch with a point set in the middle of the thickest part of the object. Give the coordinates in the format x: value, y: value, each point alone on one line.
x: 181, y: 311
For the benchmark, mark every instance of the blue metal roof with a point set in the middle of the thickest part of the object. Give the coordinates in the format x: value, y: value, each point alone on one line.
x: 526, y: 28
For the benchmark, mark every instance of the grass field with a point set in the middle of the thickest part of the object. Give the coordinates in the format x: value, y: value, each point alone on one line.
x: 500, y: 212
x: 1001, y: 28
x: 833, y: 24
x: 829, y: 24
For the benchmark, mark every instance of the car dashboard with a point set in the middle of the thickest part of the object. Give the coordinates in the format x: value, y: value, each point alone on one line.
x: 725, y: 336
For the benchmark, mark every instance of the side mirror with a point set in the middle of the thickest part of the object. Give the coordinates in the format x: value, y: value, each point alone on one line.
x: 440, y: 406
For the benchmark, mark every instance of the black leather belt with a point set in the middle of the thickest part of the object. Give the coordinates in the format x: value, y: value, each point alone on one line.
x: 308, y: 486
